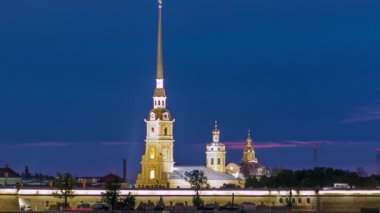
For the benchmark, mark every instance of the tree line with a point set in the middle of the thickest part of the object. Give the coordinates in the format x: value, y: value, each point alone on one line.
x: 318, y: 177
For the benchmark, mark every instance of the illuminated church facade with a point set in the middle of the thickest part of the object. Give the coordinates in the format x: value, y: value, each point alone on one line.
x: 158, y: 168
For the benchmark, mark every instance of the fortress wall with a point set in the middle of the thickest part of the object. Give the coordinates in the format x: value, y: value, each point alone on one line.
x: 348, y: 203
x: 8, y: 203
x: 323, y: 201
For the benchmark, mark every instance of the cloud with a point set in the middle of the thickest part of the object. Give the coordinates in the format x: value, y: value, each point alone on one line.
x: 291, y: 144
x: 363, y: 114
x: 116, y: 143
x: 265, y: 145
x: 44, y: 144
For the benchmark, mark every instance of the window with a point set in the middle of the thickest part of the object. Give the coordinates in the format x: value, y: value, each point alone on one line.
x: 166, y: 131
x: 152, y: 174
x: 281, y: 200
x: 152, y: 130
x: 299, y: 200
x: 293, y: 200
x: 212, y: 161
x: 218, y: 161
x: 308, y: 200
x: 152, y: 153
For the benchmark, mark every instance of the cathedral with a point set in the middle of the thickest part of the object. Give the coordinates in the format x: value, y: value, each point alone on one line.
x: 158, y: 169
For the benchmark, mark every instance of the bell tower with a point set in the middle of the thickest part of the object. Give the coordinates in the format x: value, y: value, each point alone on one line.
x: 157, y: 161
x: 249, y: 152
x: 216, y: 152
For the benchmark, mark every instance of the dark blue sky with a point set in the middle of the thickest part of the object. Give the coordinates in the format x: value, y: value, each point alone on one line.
x: 77, y: 77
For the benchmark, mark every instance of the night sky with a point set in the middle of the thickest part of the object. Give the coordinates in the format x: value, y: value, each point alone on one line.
x: 77, y: 80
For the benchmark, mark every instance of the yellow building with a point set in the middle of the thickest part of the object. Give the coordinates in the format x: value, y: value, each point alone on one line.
x: 157, y: 163
x: 216, y: 152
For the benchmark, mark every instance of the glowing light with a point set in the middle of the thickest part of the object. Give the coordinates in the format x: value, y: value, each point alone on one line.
x: 190, y: 192
x: 152, y: 174
x: 152, y: 153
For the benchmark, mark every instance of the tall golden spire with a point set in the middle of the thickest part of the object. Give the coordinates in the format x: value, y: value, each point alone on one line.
x: 160, y: 69
x: 159, y: 91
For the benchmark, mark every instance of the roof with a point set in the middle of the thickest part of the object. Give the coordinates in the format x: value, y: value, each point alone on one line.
x: 110, y: 177
x: 179, y: 173
x: 252, y: 168
x: 159, y: 114
x: 159, y: 92
x: 8, y: 172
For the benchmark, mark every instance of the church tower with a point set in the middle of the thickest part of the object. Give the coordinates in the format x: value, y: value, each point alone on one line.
x: 216, y: 152
x: 157, y: 161
x: 249, y: 152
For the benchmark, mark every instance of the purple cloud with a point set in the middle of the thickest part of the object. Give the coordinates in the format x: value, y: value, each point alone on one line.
x: 363, y: 114
x: 265, y: 145
x: 291, y: 144
x: 45, y: 144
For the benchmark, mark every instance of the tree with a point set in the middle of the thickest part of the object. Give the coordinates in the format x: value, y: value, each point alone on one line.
x: 252, y: 182
x: 289, y: 202
x: 230, y: 186
x: 65, y: 184
x: 129, y: 202
x: 369, y: 183
x: 198, y: 181
x: 361, y: 172
x: 160, y: 205
x: 112, y: 193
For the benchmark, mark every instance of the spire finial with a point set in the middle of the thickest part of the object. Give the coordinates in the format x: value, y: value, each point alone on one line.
x: 160, y: 68
x: 215, y: 132
x: 249, y: 138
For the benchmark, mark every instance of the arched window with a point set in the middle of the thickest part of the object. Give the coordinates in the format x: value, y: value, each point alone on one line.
x: 152, y: 130
x: 308, y: 200
x: 281, y: 200
x: 218, y: 161
x: 166, y: 131
x: 159, y: 102
x: 212, y: 161
x: 299, y: 200
x: 152, y: 174
x: 152, y: 153
x: 293, y: 200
